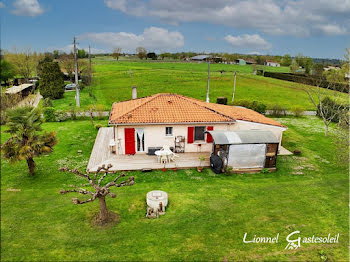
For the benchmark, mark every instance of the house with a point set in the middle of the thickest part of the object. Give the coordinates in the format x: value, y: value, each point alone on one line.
x: 272, y: 63
x: 240, y: 61
x: 141, y: 126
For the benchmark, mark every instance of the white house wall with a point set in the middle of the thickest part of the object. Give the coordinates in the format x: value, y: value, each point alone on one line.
x: 155, y: 135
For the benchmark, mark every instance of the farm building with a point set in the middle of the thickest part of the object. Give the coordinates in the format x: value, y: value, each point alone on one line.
x: 142, y: 127
x: 24, y: 90
x: 200, y: 57
x: 213, y: 59
x: 240, y: 62
x: 272, y: 63
x: 250, y: 62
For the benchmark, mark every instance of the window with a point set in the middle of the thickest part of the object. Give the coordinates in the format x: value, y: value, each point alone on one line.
x: 199, y: 133
x: 169, y: 131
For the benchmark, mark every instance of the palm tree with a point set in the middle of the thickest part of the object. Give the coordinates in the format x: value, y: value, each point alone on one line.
x: 26, y: 141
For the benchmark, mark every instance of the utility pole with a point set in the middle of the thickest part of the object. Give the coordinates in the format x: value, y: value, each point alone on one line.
x: 234, y: 87
x: 207, y: 100
x: 77, y: 95
x: 89, y: 60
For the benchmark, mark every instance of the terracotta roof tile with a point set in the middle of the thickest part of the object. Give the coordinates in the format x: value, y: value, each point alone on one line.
x: 173, y: 108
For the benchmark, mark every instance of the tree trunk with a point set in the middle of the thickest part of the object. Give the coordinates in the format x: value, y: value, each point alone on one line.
x: 103, y: 209
x: 325, y: 129
x: 31, y: 166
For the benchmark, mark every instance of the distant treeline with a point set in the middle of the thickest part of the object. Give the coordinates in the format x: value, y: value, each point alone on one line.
x: 309, y: 80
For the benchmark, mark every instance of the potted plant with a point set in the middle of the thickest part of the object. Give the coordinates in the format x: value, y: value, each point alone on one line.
x: 201, y: 159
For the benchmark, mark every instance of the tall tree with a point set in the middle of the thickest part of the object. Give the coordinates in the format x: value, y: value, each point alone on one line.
x: 101, y: 189
x: 7, y: 71
x: 141, y: 52
x: 286, y: 60
x: 51, y: 81
x: 116, y: 53
x: 67, y: 63
x: 25, y: 62
x: 294, y: 67
x: 26, y: 141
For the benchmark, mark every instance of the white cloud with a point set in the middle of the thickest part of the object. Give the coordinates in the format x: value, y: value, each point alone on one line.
x: 2, y: 5
x: 69, y: 48
x: 332, y: 29
x: 152, y: 38
x: 27, y: 8
x: 288, y: 17
x: 248, y: 42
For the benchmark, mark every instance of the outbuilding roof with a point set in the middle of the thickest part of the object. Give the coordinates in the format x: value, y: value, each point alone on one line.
x: 243, y: 137
x: 173, y: 108
x: 200, y: 57
x: 17, y: 89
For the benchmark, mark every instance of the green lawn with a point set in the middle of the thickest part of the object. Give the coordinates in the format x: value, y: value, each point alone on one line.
x: 207, y: 216
x: 113, y: 80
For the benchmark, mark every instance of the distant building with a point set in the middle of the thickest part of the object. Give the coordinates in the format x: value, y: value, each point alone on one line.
x: 200, y: 57
x: 272, y: 63
x: 213, y: 59
x: 250, y: 61
x: 240, y: 61
x: 24, y: 90
x: 331, y: 68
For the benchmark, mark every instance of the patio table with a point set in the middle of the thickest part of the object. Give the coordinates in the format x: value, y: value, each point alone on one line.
x: 160, y: 153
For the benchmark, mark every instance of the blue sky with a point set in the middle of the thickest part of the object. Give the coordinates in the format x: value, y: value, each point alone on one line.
x: 316, y: 28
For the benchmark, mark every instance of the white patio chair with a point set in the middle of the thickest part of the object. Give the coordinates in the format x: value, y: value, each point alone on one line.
x: 173, y: 157
x: 165, y: 148
x: 164, y: 159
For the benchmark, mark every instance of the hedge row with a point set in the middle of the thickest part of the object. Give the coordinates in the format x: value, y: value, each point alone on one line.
x: 308, y: 80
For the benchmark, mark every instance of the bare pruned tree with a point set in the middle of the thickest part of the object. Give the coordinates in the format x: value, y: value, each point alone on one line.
x: 141, y: 52
x: 116, y: 53
x: 328, y: 102
x: 99, y: 191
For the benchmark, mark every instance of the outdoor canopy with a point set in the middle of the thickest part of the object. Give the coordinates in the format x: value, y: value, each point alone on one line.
x: 243, y: 137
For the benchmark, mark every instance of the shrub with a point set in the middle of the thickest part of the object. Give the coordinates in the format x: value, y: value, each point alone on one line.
x: 309, y: 80
x: 98, y: 126
x: 264, y: 171
x: 278, y: 111
x: 297, y: 111
x: 51, y: 81
x: 255, y: 105
x: 3, y: 117
x: 244, y: 103
x: 258, y: 107
x: 73, y: 112
x: 61, y: 116
x: 50, y: 114
x: 47, y: 102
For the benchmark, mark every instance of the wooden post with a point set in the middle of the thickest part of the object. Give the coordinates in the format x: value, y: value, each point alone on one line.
x: 77, y: 95
x: 234, y: 87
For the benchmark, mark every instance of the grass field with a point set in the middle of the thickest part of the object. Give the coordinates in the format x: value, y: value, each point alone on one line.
x: 113, y: 81
x: 207, y: 216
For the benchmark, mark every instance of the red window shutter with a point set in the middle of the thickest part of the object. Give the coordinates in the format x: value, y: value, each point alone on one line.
x: 209, y: 137
x: 190, y: 135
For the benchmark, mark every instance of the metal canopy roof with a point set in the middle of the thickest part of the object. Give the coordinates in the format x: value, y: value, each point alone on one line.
x: 200, y: 57
x: 17, y: 89
x: 243, y: 137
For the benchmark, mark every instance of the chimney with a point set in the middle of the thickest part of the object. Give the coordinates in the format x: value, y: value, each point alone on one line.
x: 134, y: 92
